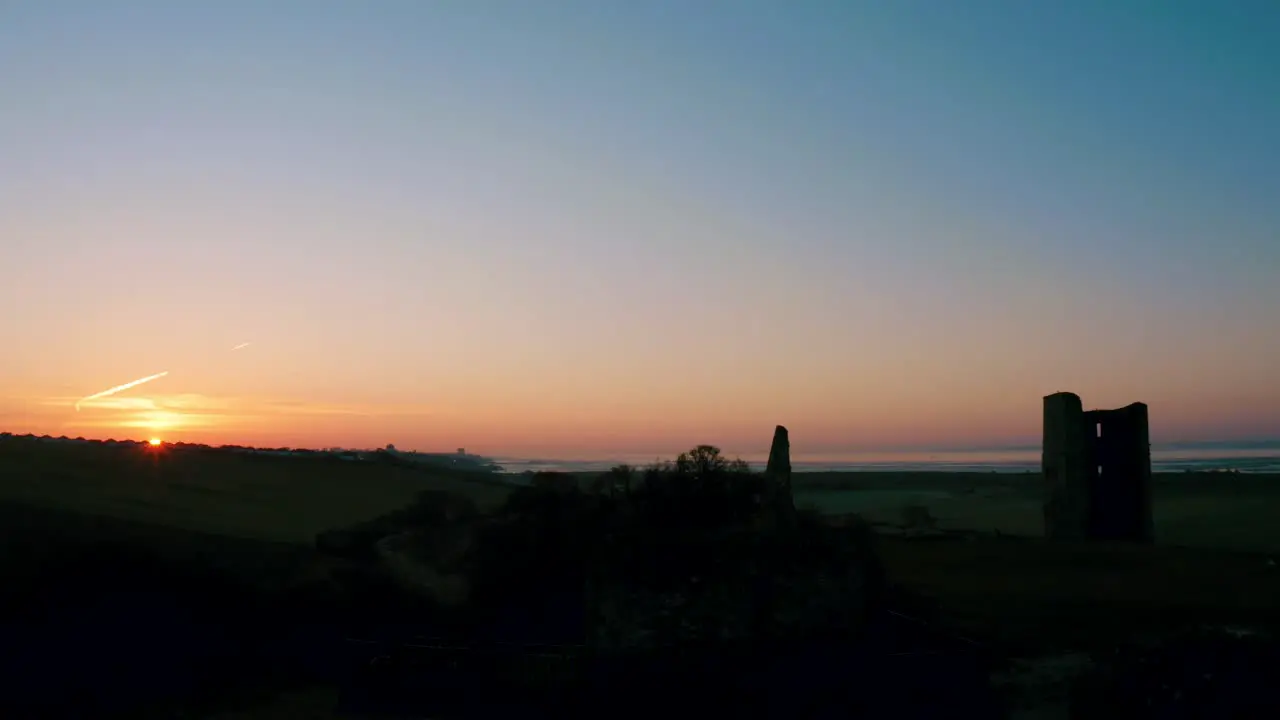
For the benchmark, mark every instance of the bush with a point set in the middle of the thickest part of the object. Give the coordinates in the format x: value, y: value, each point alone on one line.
x: 540, y: 532
x: 701, y: 490
x: 687, y: 533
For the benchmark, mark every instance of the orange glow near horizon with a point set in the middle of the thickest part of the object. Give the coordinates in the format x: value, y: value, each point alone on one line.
x: 525, y: 424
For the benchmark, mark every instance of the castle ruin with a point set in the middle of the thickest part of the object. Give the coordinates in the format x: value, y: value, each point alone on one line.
x: 1097, y: 471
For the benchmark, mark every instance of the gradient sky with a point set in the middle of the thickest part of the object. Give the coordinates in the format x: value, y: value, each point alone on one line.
x: 580, y: 227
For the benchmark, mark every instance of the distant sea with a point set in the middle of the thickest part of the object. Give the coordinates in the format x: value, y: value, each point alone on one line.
x: 1251, y: 457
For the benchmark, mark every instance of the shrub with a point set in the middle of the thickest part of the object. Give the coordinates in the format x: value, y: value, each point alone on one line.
x: 678, y: 552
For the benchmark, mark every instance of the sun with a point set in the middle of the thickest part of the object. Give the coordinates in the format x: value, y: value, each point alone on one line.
x: 155, y: 442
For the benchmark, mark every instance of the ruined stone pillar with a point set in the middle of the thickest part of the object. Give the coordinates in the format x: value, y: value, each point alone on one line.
x: 779, y: 465
x: 778, y: 470
x: 1065, y: 465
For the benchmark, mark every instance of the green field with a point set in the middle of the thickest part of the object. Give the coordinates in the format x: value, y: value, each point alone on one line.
x: 1210, y: 510
x: 1212, y: 562
x: 274, y: 498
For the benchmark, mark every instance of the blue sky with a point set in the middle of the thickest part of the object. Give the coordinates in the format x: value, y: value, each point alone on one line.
x: 930, y: 202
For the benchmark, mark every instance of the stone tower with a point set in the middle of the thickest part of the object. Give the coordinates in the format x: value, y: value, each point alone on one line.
x: 1097, y: 471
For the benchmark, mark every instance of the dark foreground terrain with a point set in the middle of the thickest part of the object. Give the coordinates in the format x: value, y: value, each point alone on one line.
x: 113, y: 619
x: 116, y: 619
x: 110, y: 617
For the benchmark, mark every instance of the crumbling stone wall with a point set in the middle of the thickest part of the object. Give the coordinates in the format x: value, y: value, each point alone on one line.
x: 1119, y: 470
x: 1097, y: 471
x: 1063, y: 463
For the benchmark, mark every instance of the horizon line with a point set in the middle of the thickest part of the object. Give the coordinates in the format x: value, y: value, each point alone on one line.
x: 1243, y: 443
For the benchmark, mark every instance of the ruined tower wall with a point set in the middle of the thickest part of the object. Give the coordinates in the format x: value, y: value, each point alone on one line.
x: 1141, y: 450
x: 1119, y: 468
x: 1065, y: 465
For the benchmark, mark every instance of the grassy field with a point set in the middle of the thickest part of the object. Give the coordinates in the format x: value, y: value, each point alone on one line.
x: 1212, y: 564
x: 235, y: 529
x: 1211, y: 510
x: 1031, y: 597
x: 138, y: 537
x: 282, y: 499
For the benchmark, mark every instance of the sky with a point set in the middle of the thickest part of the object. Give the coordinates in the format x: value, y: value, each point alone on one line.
x: 576, y: 228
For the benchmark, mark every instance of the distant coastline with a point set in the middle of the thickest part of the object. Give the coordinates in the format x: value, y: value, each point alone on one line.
x: 1253, y: 457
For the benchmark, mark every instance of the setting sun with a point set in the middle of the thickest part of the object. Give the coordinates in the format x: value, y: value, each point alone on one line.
x: 155, y: 442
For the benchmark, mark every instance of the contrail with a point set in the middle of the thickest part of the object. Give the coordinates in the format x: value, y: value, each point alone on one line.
x: 120, y: 388
x: 242, y: 345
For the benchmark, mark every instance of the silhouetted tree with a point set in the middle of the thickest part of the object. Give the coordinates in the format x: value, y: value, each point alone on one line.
x: 706, y: 461
x: 702, y: 489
